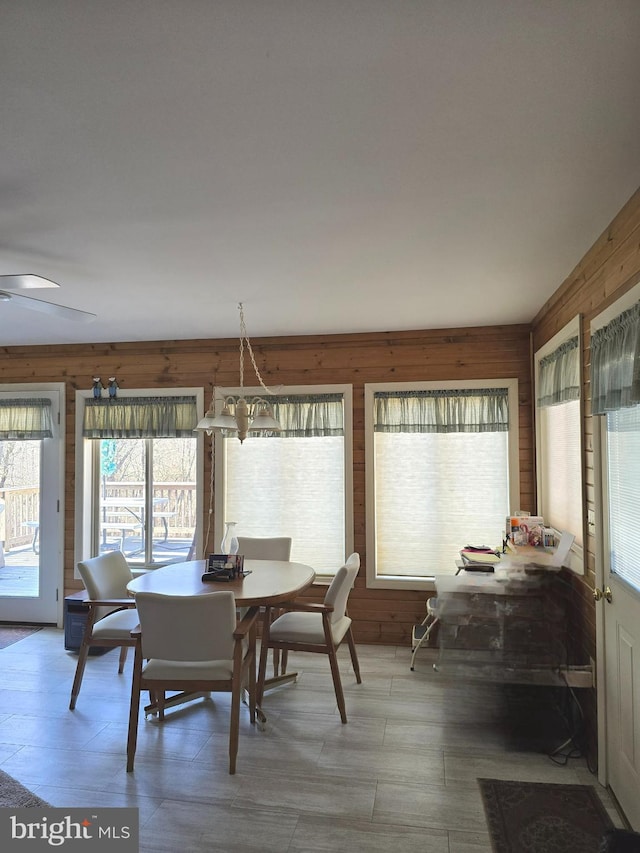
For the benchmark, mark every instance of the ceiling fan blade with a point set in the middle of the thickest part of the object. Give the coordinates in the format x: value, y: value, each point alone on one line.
x: 25, y: 282
x: 48, y: 307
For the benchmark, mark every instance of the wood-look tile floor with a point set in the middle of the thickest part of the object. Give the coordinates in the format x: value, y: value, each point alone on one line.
x: 400, y: 775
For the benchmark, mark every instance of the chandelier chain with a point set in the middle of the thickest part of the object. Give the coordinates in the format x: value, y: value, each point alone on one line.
x: 244, y: 338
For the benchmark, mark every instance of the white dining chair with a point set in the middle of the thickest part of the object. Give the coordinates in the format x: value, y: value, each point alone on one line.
x: 111, y: 611
x: 204, y: 651
x: 266, y: 548
x: 313, y: 627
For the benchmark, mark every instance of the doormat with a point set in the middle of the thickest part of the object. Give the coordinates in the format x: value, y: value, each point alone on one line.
x: 535, y: 817
x: 10, y: 634
x: 14, y: 795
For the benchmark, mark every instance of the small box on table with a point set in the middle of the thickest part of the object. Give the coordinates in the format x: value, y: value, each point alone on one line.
x: 224, y: 567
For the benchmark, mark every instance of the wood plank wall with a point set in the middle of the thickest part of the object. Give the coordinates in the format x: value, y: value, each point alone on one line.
x: 607, y: 271
x: 455, y: 354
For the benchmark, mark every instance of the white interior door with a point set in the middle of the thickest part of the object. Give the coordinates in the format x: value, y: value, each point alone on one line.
x: 31, y: 527
x: 618, y: 616
x: 622, y: 686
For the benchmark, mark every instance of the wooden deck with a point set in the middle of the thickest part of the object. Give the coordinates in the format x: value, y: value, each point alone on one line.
x: 19, y: 575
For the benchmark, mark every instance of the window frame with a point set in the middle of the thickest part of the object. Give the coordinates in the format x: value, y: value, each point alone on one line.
x: 572, y: 329
x: 375, y: 581
x: 85, y: 472
x: 221, y: 392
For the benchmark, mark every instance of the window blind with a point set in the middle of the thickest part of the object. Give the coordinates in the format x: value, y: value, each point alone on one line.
x: 561, y: 467
x: 623, y: 475
x: 292, y: 483
x: 441, y: 476
x: 559, y: 425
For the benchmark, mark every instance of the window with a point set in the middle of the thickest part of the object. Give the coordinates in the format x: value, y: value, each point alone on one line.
x: 442, y: 471
x: 615, y: 382
x: 140, y: 456
x: 559, y: 436
x: 296, y: 482
x: 623, y: 489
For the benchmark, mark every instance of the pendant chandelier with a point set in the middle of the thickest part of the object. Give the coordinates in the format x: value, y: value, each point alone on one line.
x: 240, y: 415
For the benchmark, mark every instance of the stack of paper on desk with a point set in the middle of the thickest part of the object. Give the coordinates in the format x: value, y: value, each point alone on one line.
x: 473, y: 558
x: 538, y: 558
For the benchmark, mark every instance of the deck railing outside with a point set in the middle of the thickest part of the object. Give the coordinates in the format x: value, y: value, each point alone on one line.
x: 176, y: 514
x: 19, y: 511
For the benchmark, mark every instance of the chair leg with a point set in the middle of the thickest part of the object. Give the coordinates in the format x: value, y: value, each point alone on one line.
x: 275, y: 612
x: 234, y: 728
x: 77, y: 679
x: 335, y: 670
x: 354, y: 656
x: 134, y: 709
x: 252, y: 675
x: 276, y: 661
x: 337, y: 683
x: 123, y: 658
x: 240, y: 664
x: 284, y: 661
x: 264, y: 649
x: 83, y: 654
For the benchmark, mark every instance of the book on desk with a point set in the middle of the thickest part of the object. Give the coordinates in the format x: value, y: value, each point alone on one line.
x: 476, y: 560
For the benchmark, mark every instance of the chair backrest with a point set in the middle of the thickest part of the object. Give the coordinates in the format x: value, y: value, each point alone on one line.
x: 341, y: 585
x: 268, y: 548
x: 187, y: 627
x: 106, y: 576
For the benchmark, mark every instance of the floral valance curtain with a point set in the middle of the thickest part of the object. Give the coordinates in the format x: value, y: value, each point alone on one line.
x: 306, y: 416
x: 615, y: 363
x: 140, y: 417
x: 559, y: 375
x: 485, y: 410
x: 24, y: 419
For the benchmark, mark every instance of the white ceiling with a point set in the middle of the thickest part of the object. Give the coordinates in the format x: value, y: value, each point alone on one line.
x: 336, y: 165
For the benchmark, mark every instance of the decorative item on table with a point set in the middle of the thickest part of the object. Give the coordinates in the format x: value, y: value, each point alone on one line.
x: 224, y: 567
x: 229, y: 544
x: 526, y: 530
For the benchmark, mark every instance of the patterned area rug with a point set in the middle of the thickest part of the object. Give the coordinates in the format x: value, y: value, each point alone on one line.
x: 534, y: 817
x: 12, y: 633
x: 14, y: 795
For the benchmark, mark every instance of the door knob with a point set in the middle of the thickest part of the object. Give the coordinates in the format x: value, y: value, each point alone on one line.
x: 598, y: 594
